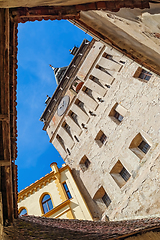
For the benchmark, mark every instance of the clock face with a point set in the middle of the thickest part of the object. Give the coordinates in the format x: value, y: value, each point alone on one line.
x: 62, y: 107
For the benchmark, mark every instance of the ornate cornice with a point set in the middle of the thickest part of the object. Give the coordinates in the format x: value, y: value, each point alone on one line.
x: 34, y: 187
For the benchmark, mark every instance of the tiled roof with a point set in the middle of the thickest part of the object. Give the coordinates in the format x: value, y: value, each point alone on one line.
x: 30, y: 227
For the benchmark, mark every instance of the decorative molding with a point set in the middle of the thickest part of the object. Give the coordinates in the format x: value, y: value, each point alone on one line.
x: 34, y: 187
x: 37, y: 185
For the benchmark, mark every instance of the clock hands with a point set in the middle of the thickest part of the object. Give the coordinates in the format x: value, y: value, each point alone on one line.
x: 63, y: 105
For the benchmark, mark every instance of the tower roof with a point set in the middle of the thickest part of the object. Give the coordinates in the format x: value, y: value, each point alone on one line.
x: 59, y: 73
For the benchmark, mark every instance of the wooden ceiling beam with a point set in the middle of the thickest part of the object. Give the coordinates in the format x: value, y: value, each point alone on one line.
x: 4, y: 117
x: 4, y: 163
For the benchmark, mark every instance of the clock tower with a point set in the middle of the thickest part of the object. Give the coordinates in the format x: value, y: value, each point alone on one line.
x: 104, y: 120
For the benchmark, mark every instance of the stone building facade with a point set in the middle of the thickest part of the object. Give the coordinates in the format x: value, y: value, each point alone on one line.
x: 134, y: 32
x: 104, y: 120
x: 55, y: 195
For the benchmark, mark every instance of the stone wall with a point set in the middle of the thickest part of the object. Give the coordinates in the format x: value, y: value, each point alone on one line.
x: 141, y: 101
x: 133, y: 31
x: 144, y: 199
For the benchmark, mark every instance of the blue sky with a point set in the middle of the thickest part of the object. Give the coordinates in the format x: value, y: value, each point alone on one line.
x: 39, y: 44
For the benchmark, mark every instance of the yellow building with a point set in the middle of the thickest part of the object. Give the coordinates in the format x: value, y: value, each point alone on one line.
x: 55, y: 195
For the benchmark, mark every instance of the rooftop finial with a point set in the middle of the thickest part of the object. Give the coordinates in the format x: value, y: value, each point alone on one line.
x: 51, y: 67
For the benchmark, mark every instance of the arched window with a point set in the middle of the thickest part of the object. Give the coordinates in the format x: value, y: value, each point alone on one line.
x: 47, y: 203
x: 23, y: 212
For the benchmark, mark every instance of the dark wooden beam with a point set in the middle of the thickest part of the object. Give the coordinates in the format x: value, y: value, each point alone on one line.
x: 4, y: 117
x: 6, y: 187
x: 4, y: 163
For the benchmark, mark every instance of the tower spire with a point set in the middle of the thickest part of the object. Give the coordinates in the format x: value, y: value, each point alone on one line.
x: 51, y: 67
x: 58, y: 72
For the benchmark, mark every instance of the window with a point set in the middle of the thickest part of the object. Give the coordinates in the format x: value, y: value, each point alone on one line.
x: 23, y: 212
x: 92, y: 113
x: 124, y: 174
x: 103, y: 138
x: 140, y: 145
x: 66, y: 127
x: 87, y: 163
x: 102, y: 69
x: 80, y: 104
x: 76, y: 138
x: 47, y: 203
x: 120, y: 174
x: 118, y: 116
x: 145, y: 75
x: 88, y: 91
x: 77, y: 85
x: 117, y: 113
x: 108, y: 56
x: 102, y: 199
x: 68, y: 151
x: 74, y: 116
x: 144, y: 147
x: 60, y: 140
x: 100, y: 138
x: 67, y: 190
x: 84, y: 163
x: 142, y: 74
x: 106, y: 199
